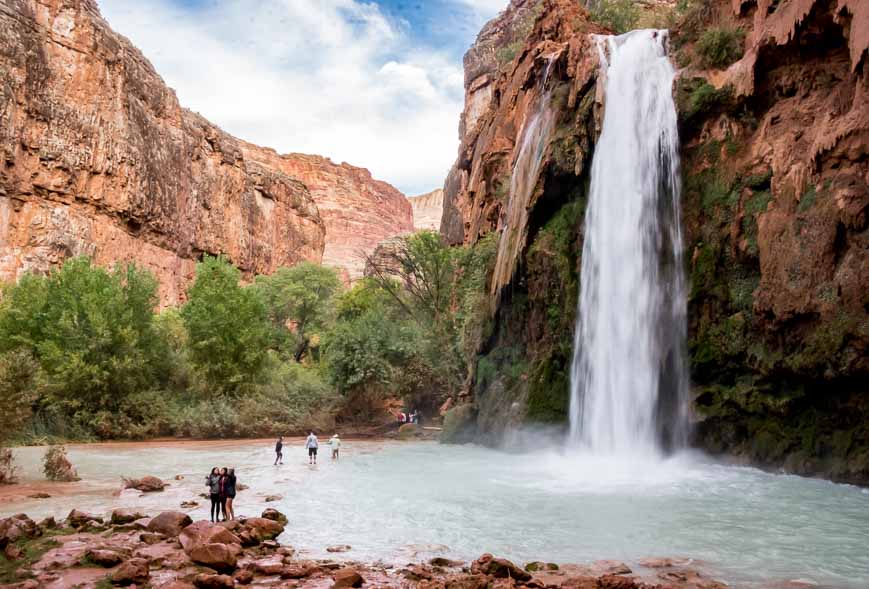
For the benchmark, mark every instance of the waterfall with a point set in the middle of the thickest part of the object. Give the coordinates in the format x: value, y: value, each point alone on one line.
x: 629, y: 375
x: 526, y: 170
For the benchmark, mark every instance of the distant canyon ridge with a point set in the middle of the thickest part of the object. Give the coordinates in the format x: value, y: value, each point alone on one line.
x: 98, y: 158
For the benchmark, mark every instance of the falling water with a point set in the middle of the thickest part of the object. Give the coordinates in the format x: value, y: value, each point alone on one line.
x: 526, y: 170
x: 629, y: 377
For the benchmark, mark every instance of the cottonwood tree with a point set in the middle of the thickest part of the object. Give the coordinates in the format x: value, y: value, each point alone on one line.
x: 299, y: 303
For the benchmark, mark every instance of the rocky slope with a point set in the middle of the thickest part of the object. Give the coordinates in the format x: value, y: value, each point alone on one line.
x: 774, y: 205
x: 358, y: 211
x: 427, y: 210
x: 97, y: 157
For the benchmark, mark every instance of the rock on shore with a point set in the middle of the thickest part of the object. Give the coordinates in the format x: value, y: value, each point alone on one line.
x: 178, y: 553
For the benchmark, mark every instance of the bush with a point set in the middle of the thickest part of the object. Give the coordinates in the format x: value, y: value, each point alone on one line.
x: 7, y: 467
x: 620, y: 16
x: 57, y: 466
x: 719, y: 47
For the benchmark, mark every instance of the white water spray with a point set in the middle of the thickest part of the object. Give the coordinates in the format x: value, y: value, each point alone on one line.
x: 629, y: 376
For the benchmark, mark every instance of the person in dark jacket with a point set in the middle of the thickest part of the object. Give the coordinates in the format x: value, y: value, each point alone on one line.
x: 229, y: 492
x: 279, y: 450
x: 222, y: 487
x: 212, y: 481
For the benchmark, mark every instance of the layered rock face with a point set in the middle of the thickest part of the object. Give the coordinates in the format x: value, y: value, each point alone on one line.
x: 98, y: 158
x: 427, y: 210
x: 775, y: 198
x: 358, y: 211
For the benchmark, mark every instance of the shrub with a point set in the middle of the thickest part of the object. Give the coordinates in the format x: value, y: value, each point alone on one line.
x: 719, y: 47
x: 620, y: 16
x: 7, y: 467
x: 57, y: 466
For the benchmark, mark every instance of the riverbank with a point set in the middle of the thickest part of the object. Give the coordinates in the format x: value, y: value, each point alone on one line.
x: 171, y: 551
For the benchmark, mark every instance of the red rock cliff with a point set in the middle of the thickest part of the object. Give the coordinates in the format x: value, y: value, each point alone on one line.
x: 775, y: 204
x: 359, y: 212
x: 98, y: 158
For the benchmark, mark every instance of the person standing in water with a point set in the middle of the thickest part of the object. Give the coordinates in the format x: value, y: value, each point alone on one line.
x: 311, y: 444
x: 229, y: 493
x: 335, y: 442
x: 279, y: 450
x: 212, y: 481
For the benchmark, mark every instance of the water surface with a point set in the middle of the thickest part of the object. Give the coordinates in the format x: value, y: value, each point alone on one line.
x: 401, y: 502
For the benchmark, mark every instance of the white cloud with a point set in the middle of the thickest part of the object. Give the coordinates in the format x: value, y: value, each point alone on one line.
x: 486, y: 7
x: 332, y: 77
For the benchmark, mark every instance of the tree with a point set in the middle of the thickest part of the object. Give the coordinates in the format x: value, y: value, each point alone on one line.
x: 90, y: 330
x: 300, y: 302
x: 417, y: 270
x: 18, y: 383
x: 227, y: 326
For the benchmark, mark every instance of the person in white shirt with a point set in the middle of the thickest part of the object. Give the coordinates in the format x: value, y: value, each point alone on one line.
x: 335, y: 442
x: 311, y: 444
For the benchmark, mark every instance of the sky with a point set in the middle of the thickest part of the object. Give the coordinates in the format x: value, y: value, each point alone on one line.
x: 378, y: 84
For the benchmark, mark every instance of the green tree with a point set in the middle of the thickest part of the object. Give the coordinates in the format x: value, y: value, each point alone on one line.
x: 91, y: 331
x: 300, y: 303
x: 227, y: 326
x: 417, y: 270
x: 18, y: 384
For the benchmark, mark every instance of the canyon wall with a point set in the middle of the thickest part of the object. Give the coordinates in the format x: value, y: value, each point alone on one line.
x: 98, y: 158
x: 427, y: 210
x: 775, y: 174
x: 358, y: 211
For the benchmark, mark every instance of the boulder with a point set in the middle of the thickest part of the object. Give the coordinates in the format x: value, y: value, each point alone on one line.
x: 243, y: 577
x: 339, y: 548
x: 220, y: 557
x: 189, y: 504
x: 147, y: 484
x: 275, y: 515
x: 298, y: 571
x: 48, y: 523
x: 272, y: 565
x: 270, y: 498
x: 39, y: 496
x: 203, y: 532
x: 179, y: 477
x: 104, y: 557
x: 211, y: 545
x: 262, y: 528
x: 499, y: 568
x: 347, y: 577
x: 17, y: 527
x: 125, y: 516
x: 133, y: 571
x: 207, y: 581
x: 151, y: 538
x: 79, y: 519
x: 169, y: 523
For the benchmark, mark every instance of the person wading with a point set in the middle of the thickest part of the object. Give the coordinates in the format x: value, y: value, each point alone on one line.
x: 312, y: 444
x: 222, y: 486
x: 335, y: 442
x: 279, y: 450
x: 212, y: 481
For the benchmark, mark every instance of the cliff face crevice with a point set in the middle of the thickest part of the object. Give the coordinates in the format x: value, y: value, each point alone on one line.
x: 775, y: 197
x: 98, y: 158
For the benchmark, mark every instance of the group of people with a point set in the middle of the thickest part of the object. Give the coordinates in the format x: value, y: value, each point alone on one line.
x: 312, y: 444
x: 221, y: 484
x: 412, y: 417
